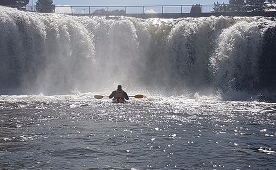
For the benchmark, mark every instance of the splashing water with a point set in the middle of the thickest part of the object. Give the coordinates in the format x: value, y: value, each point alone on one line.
x: 186, y: 58
x: 79, y: 132
x: 56, y: 54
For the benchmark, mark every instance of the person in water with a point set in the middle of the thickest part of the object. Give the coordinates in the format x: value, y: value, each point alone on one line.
x: 119, y: 95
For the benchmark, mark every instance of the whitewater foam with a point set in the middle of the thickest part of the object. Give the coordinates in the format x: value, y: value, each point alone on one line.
x: 58, y: 54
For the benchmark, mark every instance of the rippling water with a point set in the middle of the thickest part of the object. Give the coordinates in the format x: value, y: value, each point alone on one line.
x: 79, y: 132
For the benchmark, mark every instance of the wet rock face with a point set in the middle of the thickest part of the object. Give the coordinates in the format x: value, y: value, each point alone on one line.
x: 267, y: 60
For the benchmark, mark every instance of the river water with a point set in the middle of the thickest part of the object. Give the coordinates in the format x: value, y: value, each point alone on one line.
x: 79, y: 132
x: 206, y: 80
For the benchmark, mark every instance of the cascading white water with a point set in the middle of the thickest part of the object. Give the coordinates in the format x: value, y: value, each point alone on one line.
x: 43, y: 52
x: 53, y: 53
x: 235, y: 62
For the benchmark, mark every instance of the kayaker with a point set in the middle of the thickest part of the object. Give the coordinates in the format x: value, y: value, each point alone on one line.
x: 119, y: 95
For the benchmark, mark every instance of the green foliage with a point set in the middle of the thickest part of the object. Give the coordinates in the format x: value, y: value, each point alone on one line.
x: 114, y: 12
x: 243, y: 6
x: 255, y: 1
x: 45, y: 6
x: 236, y: 2
x: 196, y: 9
x: 14, y: 3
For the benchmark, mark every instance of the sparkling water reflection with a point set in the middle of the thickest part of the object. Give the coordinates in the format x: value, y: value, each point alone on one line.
x: 77, y: 132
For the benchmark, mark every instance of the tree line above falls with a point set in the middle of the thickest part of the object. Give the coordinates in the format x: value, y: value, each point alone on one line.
x: 245, y: 6
x: 45, y: 6
x: 237, y: 6
x: 20, y: 4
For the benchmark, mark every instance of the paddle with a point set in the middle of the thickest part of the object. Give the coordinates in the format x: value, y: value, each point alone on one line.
x: 98, y: 96
x: 138, y: 96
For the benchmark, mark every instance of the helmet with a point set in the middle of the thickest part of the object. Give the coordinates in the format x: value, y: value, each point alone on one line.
x: 119, y: 87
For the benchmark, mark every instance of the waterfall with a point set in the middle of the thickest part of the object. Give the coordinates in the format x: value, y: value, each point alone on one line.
x: 56, y: 54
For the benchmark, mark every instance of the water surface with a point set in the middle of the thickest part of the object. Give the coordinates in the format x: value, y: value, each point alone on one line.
x: 79, y: 132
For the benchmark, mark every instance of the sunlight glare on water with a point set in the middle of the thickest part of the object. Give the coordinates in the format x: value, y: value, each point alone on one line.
x: 79, y: 132
x: 65, y: 60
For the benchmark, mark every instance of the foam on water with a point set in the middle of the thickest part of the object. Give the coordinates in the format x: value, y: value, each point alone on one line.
x: 183, y: 66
